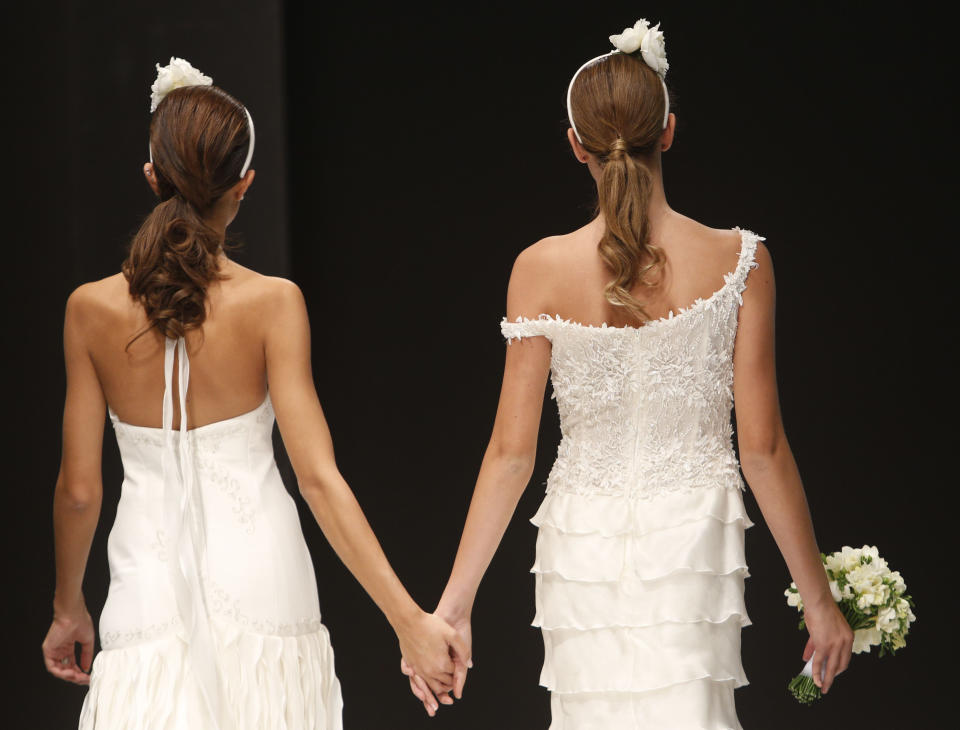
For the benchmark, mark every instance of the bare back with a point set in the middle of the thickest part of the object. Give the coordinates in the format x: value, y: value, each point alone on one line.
x: 573, y: 276
x: 227, y: 355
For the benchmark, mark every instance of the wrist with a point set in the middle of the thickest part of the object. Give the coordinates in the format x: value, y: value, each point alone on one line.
x: 819, y: 601
x: 454, y: 606
x: 404, y: 617
x: 68, y: 603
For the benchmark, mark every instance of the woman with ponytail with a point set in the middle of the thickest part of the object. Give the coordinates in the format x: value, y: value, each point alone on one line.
x: 212, y: 619
x: 644, y: 321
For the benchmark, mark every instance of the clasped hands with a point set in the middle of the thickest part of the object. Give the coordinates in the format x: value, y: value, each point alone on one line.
x: 435, y: 657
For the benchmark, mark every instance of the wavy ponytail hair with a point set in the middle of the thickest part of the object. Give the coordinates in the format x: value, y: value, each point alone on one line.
x: 199, y: 138
x: 618, y: 105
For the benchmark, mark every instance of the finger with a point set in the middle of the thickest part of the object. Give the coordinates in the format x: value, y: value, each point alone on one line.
x: 67, y: 672
x: 808, y: 650
x: 846, y: 656
x: 445, y: 698
x: 460, y: 647
x: 405, y: 668
x: 418, y: 693
x: 832, y: 661
x: 427, y: 707
x: 86, y: 655
x: 437, y: 687
x: 459, y: 679
x: 80, y: 677
x: 430, y: 702
x: 817, y: 669
x: 442, y: 679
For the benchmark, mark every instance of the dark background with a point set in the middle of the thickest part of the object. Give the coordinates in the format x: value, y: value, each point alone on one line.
x: 405, y: 156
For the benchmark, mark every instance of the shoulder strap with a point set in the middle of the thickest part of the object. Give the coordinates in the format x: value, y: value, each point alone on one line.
x: 523, y: 327
x: 746, y: 260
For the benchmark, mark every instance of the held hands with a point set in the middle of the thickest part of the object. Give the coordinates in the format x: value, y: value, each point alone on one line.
x: 70, y: 626
x: 435, y: 656
x: 462, y: 661
x: 831, y: 638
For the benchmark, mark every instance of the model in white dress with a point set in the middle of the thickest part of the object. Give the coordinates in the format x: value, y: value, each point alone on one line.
x: 640, y: 562
x: 213, y: 601
x: 640, y: 553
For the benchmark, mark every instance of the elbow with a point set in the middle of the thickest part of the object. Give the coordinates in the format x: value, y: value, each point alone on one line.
x: 516, y: 463
x: 316, y: 484
x: 78, y: 496
x: 758, y: 452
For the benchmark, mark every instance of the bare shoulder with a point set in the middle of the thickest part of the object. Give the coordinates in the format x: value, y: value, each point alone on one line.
x: 539, y: 272
x: 92, y: 302
x: 259, y: 291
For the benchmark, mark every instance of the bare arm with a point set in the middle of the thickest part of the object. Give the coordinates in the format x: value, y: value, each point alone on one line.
x: 772, y: 474
x: 76, y: 501
x: 508, y: 462
x: 424, y: 639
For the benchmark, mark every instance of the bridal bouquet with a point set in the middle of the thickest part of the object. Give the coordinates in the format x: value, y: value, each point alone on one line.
x: 872, y: 598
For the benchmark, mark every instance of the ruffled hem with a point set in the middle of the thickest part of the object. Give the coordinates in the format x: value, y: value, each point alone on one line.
x: 695, y: 705
x: 686, y: 598
x: 277, y: 682
x: 702, y: 546
x: 607, y: 515
x: 639, y: 659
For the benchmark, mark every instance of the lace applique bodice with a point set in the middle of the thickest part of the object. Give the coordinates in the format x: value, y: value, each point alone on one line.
x: 646, y: 410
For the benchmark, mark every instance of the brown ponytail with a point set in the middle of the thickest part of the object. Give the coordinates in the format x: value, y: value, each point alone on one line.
x: 618, y: 105
x: 199, y: 137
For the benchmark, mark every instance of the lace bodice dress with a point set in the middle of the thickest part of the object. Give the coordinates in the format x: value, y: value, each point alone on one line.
x: 212, y: 621
x: 640, y: 561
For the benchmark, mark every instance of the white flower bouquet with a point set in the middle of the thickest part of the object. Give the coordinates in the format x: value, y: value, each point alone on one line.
x: 871, y: 597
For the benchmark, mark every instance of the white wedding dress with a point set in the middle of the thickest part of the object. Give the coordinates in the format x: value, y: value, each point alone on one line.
x: 640, y: 561
x: 212, y: 621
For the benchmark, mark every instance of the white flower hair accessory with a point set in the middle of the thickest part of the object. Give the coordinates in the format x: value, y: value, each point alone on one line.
x: 179, y: 73
x: 642, y: 42
x: 176, y: 74
x: 649, y: 41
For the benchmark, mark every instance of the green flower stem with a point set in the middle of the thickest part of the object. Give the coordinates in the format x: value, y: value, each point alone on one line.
x: 803, y: 689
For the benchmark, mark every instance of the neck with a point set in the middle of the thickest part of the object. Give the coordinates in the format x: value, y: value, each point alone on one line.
x: 659, y: 209
x: 218, y: 221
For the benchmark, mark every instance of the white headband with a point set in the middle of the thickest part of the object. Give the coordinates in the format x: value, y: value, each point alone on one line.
x: 666, y: 95
x: 643, y: 43
x: 177, y: 74
x: 246, y: 162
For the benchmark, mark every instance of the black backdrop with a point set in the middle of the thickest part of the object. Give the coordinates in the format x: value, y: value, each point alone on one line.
x: 405, y: 156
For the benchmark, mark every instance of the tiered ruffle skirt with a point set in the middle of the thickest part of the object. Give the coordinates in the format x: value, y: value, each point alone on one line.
x: 641, y: 604
x: 276, y: 682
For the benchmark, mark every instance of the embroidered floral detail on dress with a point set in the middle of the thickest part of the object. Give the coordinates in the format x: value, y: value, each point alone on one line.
x: 646, y: 410
x: 117, y: 639
x: 223, y: 604
x: 213, y: 471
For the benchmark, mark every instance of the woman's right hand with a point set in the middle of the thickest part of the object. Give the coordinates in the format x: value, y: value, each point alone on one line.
x: 419, y: 688
x: 830, y: 643
x: 70, y: 626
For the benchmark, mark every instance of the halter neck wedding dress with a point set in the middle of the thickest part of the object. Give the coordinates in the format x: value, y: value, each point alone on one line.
x: 212, y: 619
x: 640, y: 561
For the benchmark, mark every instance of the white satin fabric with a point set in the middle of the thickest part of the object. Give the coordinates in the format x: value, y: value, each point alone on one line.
x: 212, y: 619
x: 640, y: 562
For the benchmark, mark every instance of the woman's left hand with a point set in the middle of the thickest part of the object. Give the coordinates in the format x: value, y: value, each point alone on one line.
x: 70, y: 627
x: 432, y: 649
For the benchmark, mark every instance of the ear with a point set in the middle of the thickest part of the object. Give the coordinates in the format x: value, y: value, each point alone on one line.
x: 240, y: 189
x: 666, y: 139
x: 581, y: 154
x: 151, y: 177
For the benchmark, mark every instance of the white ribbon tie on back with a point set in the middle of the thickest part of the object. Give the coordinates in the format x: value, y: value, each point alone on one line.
x: 185, y: 528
